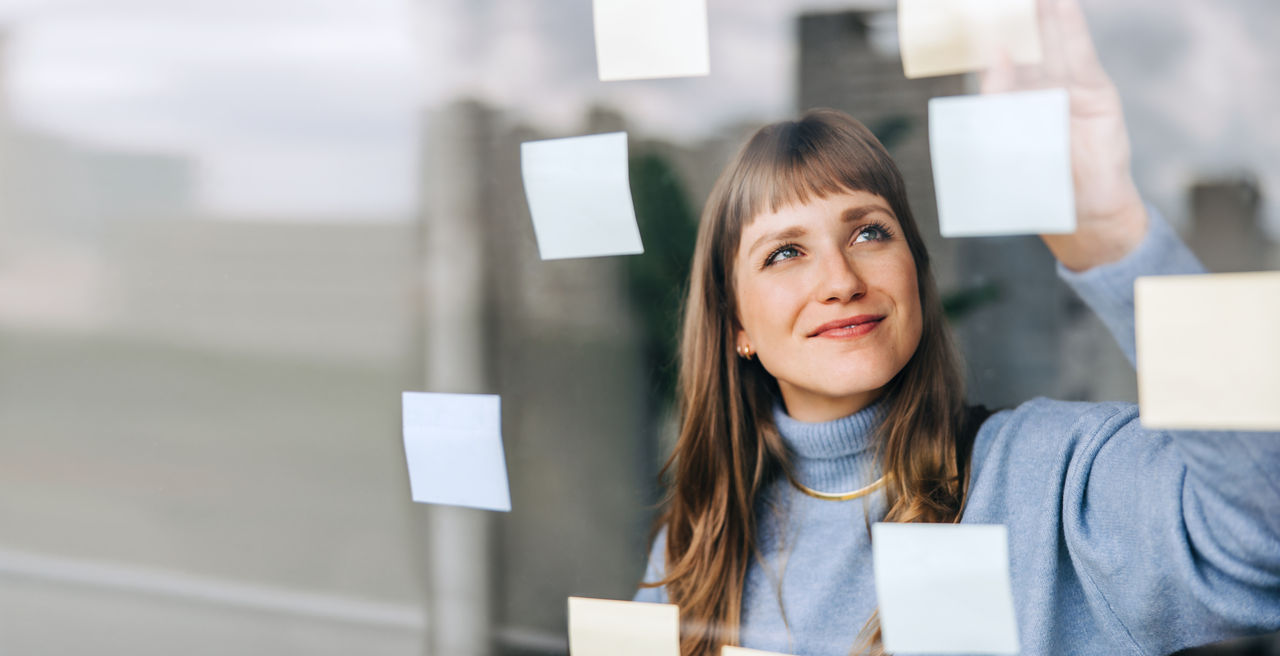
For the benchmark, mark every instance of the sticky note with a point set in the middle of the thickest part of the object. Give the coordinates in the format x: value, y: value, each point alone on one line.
x: 1209, y: 351
x: 637, y: 39
x: 742, y: 651
x: 453, y: 443
x: 603, y: 627
x: 579, y: 195
x: 1002, y: 163
x: 944, y: 588
x: 942, y: 37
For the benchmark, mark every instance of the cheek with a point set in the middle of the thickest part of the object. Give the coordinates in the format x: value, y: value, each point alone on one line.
x: 758, y: 304
x: 917, y: 315
x: 908, y: 293
x: 752, y: 304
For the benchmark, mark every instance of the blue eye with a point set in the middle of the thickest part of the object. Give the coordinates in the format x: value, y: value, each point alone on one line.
x: 782, y: 253
x: 873, y: 232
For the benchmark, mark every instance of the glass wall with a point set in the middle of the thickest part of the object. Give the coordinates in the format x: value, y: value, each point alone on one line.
x: 233, y: 232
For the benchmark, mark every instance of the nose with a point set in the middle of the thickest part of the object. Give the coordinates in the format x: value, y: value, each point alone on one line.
x: 841, y: 280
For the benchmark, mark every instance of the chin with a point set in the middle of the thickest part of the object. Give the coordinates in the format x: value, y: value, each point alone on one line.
x: 863, y: 377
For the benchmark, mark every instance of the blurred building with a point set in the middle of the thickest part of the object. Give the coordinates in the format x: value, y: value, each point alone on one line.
x: 558, y: 340
x: 200, y: 416
x: 340, y: 292
x: 58, y: 199
x: 1226, y: 230
x: 59, y: 189
x: 104, y: 239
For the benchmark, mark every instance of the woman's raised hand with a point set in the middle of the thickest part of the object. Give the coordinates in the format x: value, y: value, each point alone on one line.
x: 1110, y: 217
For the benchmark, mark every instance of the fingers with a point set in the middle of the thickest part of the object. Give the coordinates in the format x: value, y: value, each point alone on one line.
x: 1078, y: 52
x: 1069, y: 58
x: 1053, y: 69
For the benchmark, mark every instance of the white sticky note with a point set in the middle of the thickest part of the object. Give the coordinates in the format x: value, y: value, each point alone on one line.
x: 743, y: 651
x: 1209, y: 351
x: 579, y: 194
x: 638, y: 39
x: 603, y: 627
x: 1002, y: 163
x: 944, y: 588
x: 453, y: 443
x: 942, y: 37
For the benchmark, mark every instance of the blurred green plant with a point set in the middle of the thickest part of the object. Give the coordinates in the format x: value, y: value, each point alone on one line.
x: 657, y: 279
x: 891, y: 130
x: 960, y: 303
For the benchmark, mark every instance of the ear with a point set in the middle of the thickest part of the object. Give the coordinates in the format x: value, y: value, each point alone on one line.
x: 741, y: 340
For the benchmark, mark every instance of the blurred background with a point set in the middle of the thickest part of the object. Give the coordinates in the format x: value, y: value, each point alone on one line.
x: 233, y: 231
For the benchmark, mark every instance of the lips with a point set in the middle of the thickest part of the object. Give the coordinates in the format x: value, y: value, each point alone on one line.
x: 849, y: 327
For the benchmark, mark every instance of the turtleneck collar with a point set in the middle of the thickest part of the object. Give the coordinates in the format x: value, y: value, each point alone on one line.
x: 831, y: 456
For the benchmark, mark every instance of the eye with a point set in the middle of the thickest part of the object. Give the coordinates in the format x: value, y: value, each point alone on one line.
x: 784, y: 252
x: 873, y: 232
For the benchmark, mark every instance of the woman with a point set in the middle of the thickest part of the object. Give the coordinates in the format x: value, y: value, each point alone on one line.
x: 820, y: 392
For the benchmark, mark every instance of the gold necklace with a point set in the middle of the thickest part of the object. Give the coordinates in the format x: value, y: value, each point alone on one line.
x: 839, y: 496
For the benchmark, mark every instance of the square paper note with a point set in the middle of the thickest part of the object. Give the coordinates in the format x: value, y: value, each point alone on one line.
x: 944, y: 588
x: 638, y: 39
x: 941, y: 37
x: 453, y: 443
x: 1002, y: 163
x: 579, y: 195
x: 1230, y: 381
x: 602, y: 627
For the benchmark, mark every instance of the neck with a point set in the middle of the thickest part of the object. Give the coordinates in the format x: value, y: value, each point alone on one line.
x: 814, y: 409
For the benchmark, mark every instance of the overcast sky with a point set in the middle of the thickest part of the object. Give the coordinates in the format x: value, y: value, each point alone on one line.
x: 312, y: 107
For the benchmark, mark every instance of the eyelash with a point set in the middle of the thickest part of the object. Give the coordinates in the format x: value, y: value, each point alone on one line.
x: 884, y: 230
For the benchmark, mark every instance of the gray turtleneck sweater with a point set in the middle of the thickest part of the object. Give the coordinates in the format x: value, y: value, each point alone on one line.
x: 1122, y: 540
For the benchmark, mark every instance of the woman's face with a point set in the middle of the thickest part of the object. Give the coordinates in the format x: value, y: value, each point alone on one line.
x: 828, y: 300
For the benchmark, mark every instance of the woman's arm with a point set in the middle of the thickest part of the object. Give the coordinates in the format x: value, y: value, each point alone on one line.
x: 1177, y: 532
x: 1110, y: 217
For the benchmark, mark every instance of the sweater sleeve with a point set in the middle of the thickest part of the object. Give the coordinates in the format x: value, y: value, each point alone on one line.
x: 655, y: 571
x: 1178, y: 531
x: 1108, y: 289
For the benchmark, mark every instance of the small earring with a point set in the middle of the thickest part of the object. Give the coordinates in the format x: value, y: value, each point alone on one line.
x: 744, y: 351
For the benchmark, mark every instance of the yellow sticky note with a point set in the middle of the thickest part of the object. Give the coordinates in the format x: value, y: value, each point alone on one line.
x: 942, y: 37
x: 1209, y: 351
x: 743, y: 651
x: 644, y: 39
x: 603, y: 627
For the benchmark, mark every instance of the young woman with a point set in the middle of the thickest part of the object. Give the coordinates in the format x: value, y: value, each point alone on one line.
x: 821, y: 392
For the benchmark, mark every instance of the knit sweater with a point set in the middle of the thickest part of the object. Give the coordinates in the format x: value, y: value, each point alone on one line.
x: 1122, y: 540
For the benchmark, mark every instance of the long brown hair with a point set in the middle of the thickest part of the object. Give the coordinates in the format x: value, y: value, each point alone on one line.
x: 728, y: 449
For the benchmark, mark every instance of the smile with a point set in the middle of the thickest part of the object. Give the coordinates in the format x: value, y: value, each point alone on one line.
x: 850, y: 327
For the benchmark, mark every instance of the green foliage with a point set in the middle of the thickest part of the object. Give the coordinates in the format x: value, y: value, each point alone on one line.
x: 658, y: 278
x: 891, y: 130
x: 962, y: 302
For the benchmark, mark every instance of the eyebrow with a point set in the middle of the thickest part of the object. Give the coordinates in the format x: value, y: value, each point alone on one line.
x: 848, y: 216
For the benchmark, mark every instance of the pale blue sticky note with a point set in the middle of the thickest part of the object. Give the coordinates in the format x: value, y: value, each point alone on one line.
x: 579, y: 194
x: 453, y: 443
x: 1002, y: 163
x: 637, y: 39
x: 944, y: 588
